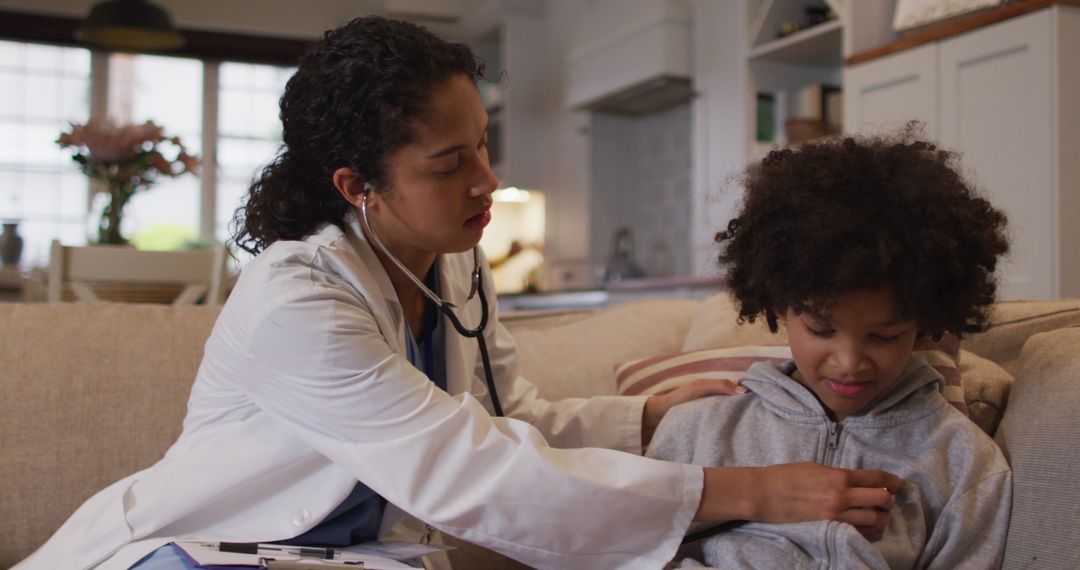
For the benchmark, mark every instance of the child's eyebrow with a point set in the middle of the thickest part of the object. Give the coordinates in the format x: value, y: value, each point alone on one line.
x: 893, y: 322
x: 815, y: 315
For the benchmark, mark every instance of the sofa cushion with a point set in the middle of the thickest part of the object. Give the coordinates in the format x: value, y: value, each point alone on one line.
x: 715, y: 325
x: 1040, y: 435
x: 92, y: 393
x: 575, y: 355
x: 1013, y: 322
x: 986, y: 389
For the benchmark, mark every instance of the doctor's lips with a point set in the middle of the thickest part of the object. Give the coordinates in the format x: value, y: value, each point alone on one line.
x: 479, y: 221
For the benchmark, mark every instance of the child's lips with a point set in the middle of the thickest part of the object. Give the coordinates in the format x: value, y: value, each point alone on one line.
x: 847, y: 389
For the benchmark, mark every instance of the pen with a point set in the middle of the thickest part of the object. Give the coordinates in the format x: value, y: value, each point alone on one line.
x: 254, y: 548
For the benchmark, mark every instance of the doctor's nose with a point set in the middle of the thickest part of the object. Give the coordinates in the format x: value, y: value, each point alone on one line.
x: 485, y: 181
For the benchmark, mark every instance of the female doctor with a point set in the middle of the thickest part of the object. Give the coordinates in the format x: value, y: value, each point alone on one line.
x: 334, y: 405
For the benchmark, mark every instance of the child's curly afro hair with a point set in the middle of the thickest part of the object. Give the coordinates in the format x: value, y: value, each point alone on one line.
x: 861, y: 213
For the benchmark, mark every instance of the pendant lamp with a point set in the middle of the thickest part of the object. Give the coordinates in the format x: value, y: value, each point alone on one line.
x: 129, y: 25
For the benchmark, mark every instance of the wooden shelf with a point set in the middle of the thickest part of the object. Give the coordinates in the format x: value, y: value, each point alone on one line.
x: 954, y: 26
x: 819, y: 46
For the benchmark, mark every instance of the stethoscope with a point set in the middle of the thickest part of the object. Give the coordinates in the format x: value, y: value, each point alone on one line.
x: 446, y: 307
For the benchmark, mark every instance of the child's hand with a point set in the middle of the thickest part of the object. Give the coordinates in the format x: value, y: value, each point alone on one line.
x: 658, y: 405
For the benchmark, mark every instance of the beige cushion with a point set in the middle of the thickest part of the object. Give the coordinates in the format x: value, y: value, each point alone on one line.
x: 76, y: 413
x: 578, y: 358
x: 715, y: 325
x: 986, y: 389
x: 1040, y: 434
x: 1012, y: 322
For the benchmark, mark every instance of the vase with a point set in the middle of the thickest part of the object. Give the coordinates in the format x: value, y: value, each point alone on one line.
x: 11, y: 244
x: 113, y: 214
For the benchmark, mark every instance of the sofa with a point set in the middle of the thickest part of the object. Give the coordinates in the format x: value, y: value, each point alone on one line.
x: 93, y: 392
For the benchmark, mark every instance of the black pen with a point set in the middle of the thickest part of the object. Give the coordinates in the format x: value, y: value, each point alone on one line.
x: 301, y: 551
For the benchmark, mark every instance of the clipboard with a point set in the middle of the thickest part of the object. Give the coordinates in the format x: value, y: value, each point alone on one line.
x: 204, y: 553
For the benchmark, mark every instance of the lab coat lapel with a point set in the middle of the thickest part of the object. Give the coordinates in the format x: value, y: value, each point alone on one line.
x: 394, y: 323
x: 461, y: 353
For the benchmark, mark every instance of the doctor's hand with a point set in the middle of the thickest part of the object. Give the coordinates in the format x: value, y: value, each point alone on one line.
x: 797, y: 492
x: 658, y: 405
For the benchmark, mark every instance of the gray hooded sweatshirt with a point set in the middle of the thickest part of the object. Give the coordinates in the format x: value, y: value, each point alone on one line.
x: 952, y: 510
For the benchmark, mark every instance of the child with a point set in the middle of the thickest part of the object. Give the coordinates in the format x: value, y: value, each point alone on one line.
x: 858, y: 246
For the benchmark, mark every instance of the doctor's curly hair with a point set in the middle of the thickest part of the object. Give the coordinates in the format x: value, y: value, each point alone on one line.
x: 859, y: 213
x: 351, y: 103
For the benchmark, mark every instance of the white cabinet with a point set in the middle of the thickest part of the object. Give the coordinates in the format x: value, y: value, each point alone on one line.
x: 1007, y: 97
x: 893, y: 90
x: 514, y: 70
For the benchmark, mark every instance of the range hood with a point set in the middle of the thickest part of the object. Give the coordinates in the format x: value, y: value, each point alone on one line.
x: 640, y: 68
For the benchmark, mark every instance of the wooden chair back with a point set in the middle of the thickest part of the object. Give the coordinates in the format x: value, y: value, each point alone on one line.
x: 121, y: 273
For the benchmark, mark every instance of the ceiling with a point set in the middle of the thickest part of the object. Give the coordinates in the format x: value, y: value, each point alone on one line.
x: 453, y: 19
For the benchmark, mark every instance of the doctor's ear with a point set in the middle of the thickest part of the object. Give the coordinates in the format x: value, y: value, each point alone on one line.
x: 351, y: 186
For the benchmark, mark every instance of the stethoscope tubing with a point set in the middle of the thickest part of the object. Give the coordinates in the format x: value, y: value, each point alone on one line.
x: 446, y: 307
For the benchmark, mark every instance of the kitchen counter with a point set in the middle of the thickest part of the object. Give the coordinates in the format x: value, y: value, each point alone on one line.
x: 615, y: 293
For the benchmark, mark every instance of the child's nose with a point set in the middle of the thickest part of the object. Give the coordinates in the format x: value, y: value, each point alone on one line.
x: 849, y: 360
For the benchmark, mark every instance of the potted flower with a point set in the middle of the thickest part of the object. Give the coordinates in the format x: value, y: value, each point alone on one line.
x: 126, y: 159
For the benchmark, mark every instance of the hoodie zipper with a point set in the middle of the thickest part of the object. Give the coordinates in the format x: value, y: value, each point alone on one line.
x: 832, y: 443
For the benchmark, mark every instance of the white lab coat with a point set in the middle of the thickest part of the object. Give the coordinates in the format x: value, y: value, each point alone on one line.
x: 304, y: 389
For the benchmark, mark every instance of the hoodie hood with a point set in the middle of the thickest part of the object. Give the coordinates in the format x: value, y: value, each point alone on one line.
x: 786, y: 396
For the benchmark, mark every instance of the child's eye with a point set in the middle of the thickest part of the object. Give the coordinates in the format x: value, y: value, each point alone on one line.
x: 886, y: 337
x: 822, y: 332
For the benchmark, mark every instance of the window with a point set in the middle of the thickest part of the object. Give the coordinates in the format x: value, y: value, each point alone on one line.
x: 249, y: 132
x: 45, y: 87
x: 167, y: 91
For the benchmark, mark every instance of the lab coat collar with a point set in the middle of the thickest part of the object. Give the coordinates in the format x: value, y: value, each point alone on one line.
x: 453, y: 289
x: 369, y: 259
x: 454, y: 270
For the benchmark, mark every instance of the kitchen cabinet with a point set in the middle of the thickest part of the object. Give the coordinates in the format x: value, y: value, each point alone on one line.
x: 1007, y: 97
x: 895, y: 89
x: 510, y: 92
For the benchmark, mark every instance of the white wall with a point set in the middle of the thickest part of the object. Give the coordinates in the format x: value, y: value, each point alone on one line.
x: 721, y: 77
x: 717, y: 117
x: 641, y: 180
x: 559, y: 157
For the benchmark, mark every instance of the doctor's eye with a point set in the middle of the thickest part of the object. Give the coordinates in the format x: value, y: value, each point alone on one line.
x: 447, y: 171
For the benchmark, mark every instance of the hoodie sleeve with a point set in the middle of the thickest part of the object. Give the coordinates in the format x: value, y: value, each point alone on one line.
x: 971, y: 530
x: 674, y: 438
